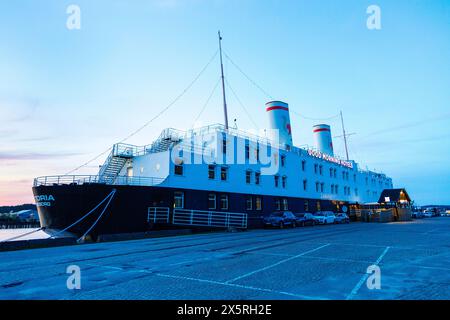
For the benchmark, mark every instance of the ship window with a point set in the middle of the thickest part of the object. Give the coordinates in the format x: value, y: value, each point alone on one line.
x: 276, y: 180
x: 343, y: 175
x: 224, y: 202
x: 258, y: 203
x: 212, y: 201
x: 317, y: 186
x: 285, y: 204
x: 315, y: 168
x: 321, y: 187
x: 303, y: 165
x: 224, y: 145
x: 283, y: 181
x: 257, y: 177
x: 179, y: 169
x: 336, y: 189
x: 331, y: 172
x: 283, y: 160
x: 332, y: 188
x: 305, y: 184
x: 334, y: 173
x: 306, y: 205
x: 278, y: 204
x: 178, y: 200
x: 249, y: 203
x: 248, y: 176
x: 247, y: 151
x: 257, y: 152
x: 224, y: 173
x: 320, y: 170
x: 354, y: 177
x: 211, y: 171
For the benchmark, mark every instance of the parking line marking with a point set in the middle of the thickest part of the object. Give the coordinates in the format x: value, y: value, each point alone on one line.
x: 365, y: 276
x: 210, y: 281
x: 240, y: 286
x: 276, y: 264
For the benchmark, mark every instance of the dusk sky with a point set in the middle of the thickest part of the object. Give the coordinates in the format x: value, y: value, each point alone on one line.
x: 67, y: 95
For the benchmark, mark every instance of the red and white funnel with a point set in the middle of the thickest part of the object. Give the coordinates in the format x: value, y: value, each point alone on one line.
x: 279, y: 119
x: 322, y: 138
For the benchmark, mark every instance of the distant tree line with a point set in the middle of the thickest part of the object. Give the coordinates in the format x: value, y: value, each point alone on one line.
x: 8, y: 209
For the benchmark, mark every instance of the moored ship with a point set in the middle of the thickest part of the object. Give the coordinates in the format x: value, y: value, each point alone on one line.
x: 214, y: 176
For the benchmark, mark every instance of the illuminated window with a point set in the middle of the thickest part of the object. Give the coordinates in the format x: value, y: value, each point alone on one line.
x: 224, y: 202
x: 211, y: 172
x: 258, y: 203
x: 178, y: 200
x: 178, y: 169
x: 306, y: 205
x: 212, y: 201
x: 223, y: 173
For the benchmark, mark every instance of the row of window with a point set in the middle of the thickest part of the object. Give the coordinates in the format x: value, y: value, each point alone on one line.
x: 212, y: 173
x: 251, y: 202
x: 320, y: 187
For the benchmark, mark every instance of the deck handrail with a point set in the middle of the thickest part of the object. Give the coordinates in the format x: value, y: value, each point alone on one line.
x: 95, y: 179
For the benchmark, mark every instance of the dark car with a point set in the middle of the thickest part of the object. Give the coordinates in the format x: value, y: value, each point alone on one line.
x: 305, y: 219
x: 280, y: 219
x: 341, y: 218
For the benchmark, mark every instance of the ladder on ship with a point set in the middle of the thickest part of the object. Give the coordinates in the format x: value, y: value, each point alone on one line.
x: 116, y: 160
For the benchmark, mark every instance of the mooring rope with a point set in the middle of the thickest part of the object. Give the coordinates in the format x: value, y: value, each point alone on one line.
x: 83, y: 217
x: 99, y: 217
x: 22, y: 235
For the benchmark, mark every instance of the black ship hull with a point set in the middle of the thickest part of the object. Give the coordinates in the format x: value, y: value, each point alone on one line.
x: 59, y: 206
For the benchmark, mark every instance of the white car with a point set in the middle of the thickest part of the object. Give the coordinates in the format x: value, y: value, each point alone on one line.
x: 428, y: 214
x: 324, y: 217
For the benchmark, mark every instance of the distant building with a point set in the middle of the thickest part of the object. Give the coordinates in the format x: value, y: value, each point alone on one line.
x: 26, y: 215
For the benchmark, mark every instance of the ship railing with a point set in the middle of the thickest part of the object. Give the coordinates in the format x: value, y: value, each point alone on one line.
x: 90, y: 179
x: 202, y: 218
x: 128, y: 150
x: 158, y: 215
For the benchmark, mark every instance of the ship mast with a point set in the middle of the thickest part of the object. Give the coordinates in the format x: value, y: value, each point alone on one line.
x: 344, y: 135
x: 223, y: 84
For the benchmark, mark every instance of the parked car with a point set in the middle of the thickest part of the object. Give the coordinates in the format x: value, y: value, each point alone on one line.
x: 341, y: 218
x: 280, y: 219
x: 417, y: 215
x: 305, y: 219
x: 427, y: 214
x: 324, y: 217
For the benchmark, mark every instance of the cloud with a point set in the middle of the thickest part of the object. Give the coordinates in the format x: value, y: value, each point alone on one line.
x: 18, y: 109
x: 14, y: 156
